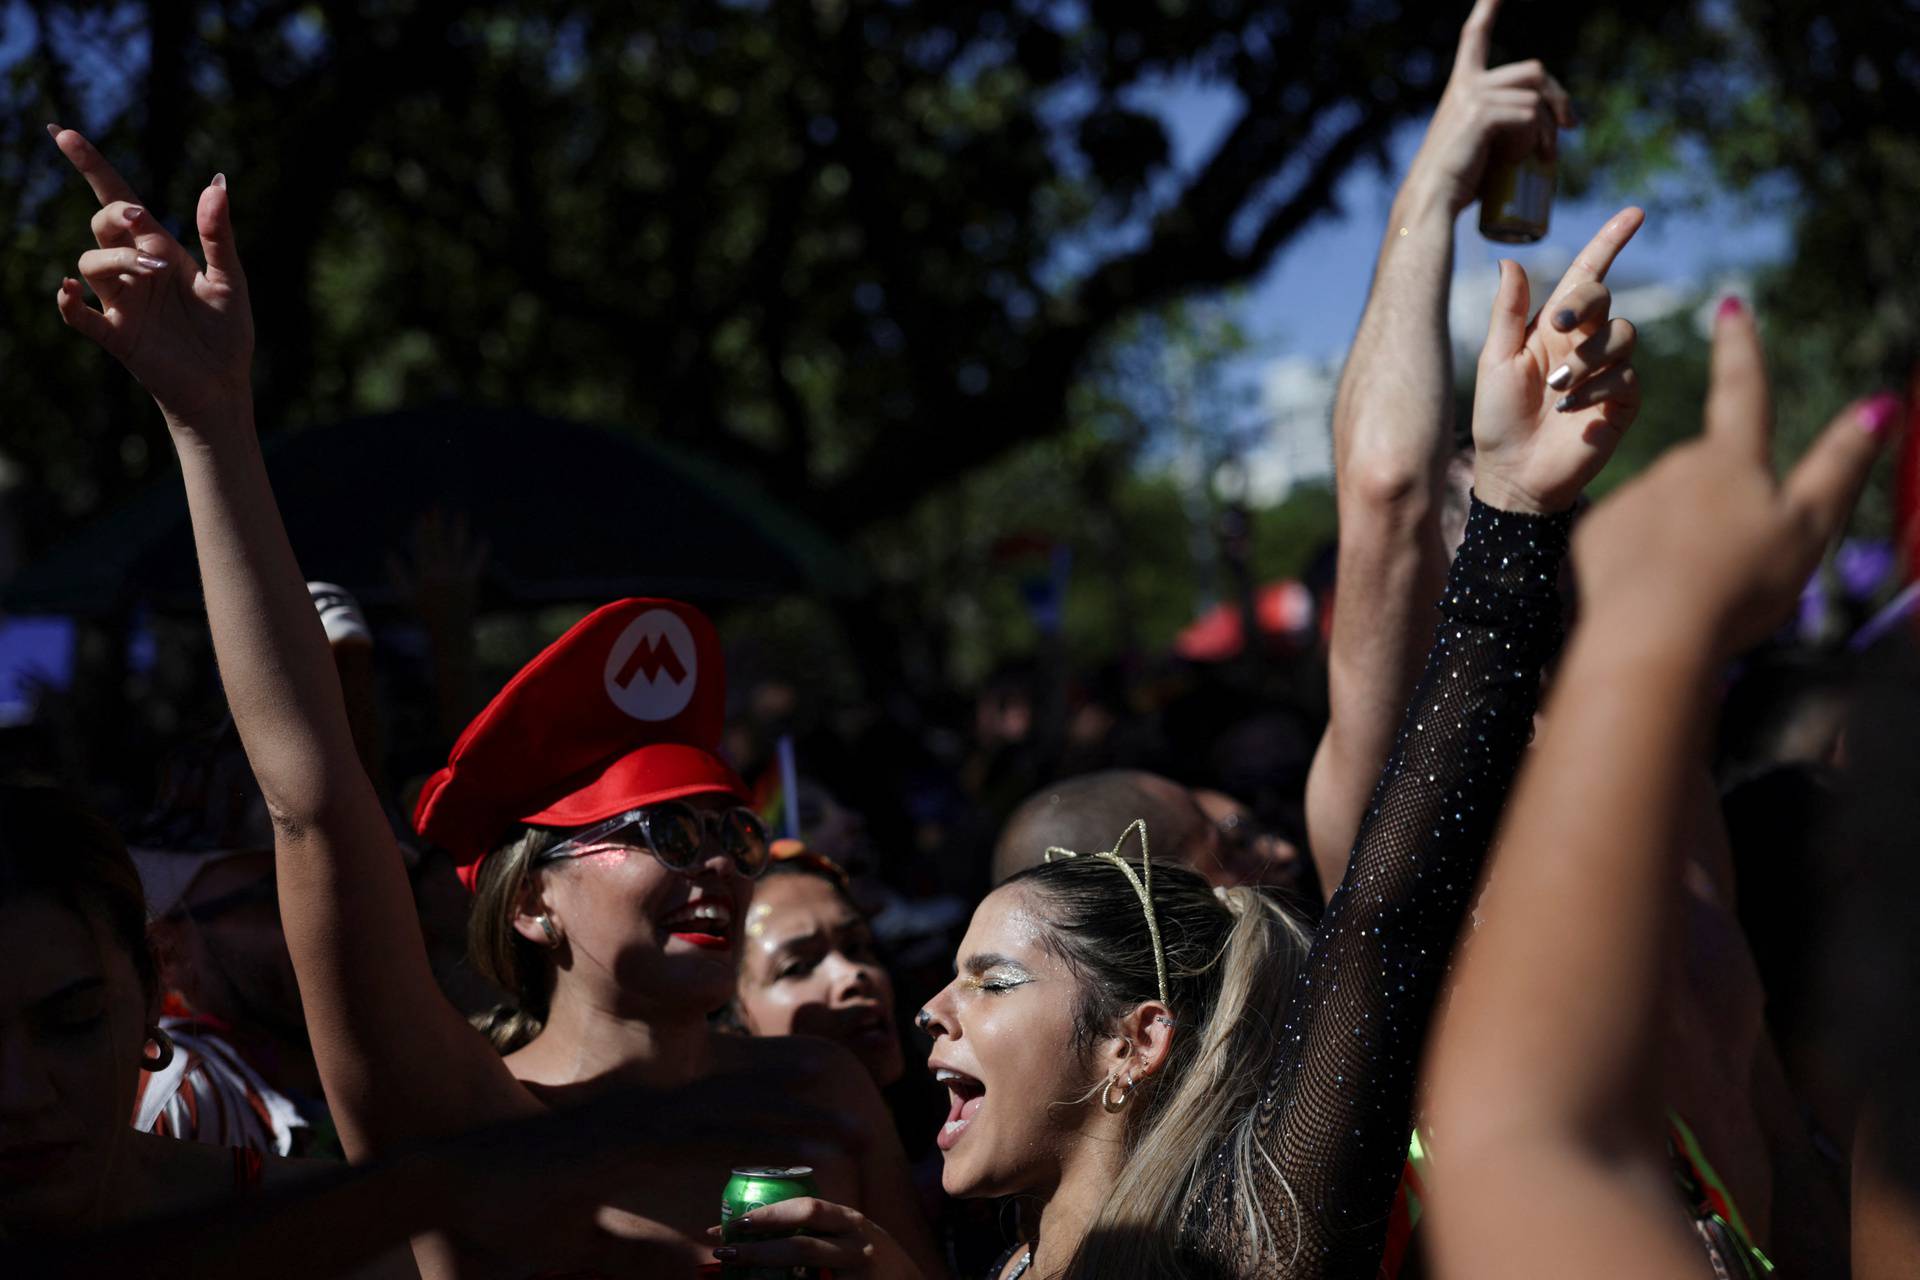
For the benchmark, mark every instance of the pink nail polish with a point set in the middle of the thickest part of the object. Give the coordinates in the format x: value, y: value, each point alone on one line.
x: 1877, y: 414
x: 152, y: 264
x: 220, y: 181
x: 1729, y: 306
x: 53, y: 131
x: 1560, y: 377
x: 134, y: 213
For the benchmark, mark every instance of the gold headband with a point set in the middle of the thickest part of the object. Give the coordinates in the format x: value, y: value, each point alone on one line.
x: 1143, y: 889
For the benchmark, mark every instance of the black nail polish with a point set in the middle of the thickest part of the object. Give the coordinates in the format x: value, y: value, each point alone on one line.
x: 726, y: 1253
x: 1563, y: 318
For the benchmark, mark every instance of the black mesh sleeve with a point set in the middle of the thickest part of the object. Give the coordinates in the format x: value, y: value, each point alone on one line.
x: 1337, y: 1110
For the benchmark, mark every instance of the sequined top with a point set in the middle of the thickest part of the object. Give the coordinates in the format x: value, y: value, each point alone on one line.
x: 1335, y: 1111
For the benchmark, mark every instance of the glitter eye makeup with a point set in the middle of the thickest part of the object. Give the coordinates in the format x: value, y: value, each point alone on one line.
x: 1002, y: 977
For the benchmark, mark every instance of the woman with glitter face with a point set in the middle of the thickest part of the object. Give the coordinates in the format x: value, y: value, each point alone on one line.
x: 1166, y: 1075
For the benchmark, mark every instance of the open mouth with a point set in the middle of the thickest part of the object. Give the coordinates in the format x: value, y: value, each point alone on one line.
x: 707, y: 924
x: 965, y: 1096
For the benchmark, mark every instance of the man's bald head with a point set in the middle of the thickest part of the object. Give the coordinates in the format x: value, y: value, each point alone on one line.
x: 1088, y: 813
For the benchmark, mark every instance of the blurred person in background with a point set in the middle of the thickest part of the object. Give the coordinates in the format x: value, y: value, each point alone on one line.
x: 1249, y: 853
x: 1208, y: 832
x: 80, y: 1021
x: 243, y: 1074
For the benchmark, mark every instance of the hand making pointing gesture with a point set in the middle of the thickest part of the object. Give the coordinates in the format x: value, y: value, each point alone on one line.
x: 185, y: 331
x: 1485, y: 113
x: 1707, y: 542
x: 1554, y: 394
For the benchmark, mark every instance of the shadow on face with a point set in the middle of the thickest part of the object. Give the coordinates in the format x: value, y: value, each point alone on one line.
x: 224, y: 950
x: 810, y: 969
x: 637, y: 935
x: 72, y: 1029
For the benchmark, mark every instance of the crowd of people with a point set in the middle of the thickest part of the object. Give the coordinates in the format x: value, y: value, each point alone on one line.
x: 1505, y: 979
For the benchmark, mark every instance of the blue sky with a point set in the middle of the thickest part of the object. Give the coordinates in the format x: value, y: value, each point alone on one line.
x: 1309, y: 299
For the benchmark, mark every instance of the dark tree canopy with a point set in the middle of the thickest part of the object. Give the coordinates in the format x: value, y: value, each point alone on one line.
x: 852, y: 249
x: 1806, y: 105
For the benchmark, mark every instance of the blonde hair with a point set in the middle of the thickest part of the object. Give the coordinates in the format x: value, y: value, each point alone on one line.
x: 1230, y: 958
x: 495, y: 948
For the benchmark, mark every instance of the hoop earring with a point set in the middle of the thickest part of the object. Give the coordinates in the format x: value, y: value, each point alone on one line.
x: 162, y: 1060
x: 546, y: 926
x: 1107, y: 1103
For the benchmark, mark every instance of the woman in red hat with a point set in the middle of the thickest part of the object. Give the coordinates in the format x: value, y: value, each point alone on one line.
x: 604, y: 838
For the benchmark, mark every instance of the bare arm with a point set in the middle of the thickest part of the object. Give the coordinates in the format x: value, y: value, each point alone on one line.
x: 541, y: 1179
x: 1886, y: 1213
x: 395, y: 1058
x: 1547, y: 1066
x: 1392, y: 422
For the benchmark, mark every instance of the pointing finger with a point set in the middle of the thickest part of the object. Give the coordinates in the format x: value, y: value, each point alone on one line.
x: 108, y: 186
x: 1739, y: 408
x: 1826, y: 484
x: 1476, y: 37
x: 1596, y: 259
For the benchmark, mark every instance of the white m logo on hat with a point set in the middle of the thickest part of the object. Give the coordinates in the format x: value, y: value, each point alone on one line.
x: 653, y: 667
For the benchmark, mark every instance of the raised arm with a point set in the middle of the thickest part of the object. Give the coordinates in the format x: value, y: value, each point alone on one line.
x: 1392, y: 423
x: 1547, y: 1067
x: 1338, y: 1105
x: 395, y: 1058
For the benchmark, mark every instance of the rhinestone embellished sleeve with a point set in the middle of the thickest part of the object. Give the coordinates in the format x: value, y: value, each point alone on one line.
x: 1335, y: 1113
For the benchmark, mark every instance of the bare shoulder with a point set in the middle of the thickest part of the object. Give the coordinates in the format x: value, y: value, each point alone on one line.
x: 812, y: 1069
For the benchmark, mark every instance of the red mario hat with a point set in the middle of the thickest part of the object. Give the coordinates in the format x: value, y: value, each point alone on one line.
x: 624, y: 710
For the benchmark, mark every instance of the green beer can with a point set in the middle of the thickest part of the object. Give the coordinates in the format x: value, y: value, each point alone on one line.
x: 750, y: 1189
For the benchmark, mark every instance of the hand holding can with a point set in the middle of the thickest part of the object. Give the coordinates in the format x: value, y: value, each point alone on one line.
x: 771, y: 1231
x: 752, y: 1189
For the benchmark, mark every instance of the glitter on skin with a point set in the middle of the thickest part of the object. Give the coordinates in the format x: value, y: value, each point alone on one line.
x: 1333, y: 1112
x: 603, y: 855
